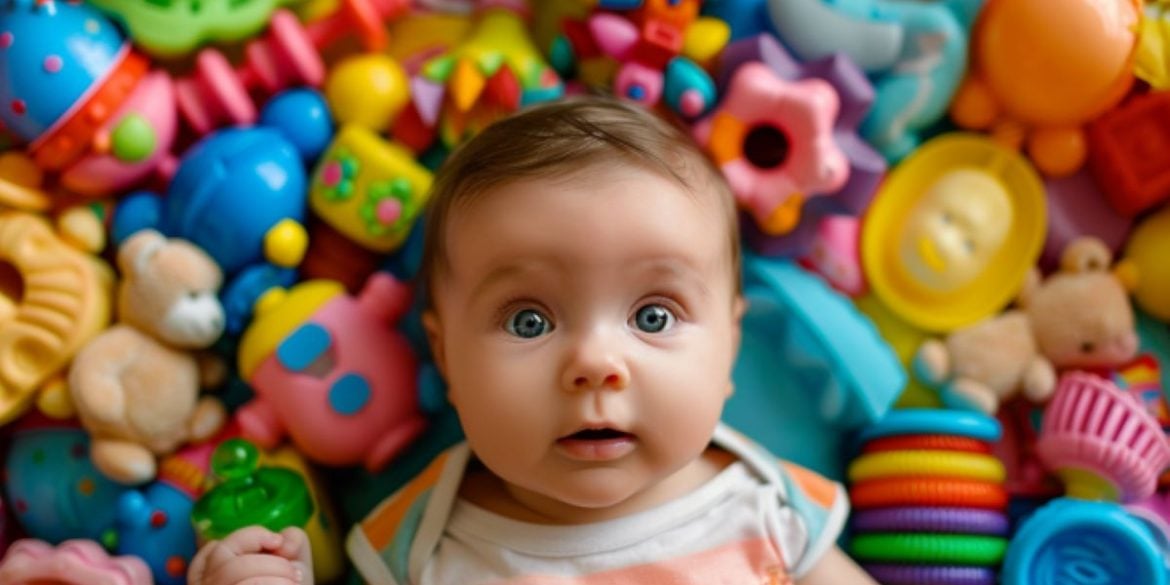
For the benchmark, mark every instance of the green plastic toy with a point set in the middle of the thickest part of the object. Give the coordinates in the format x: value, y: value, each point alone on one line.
x: 273, y: 497
x: 173, y: 28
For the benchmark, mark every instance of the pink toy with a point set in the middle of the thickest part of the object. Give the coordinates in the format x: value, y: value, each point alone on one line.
x: 1102, y: 441
x: 773, y: 140
x: 835, y: 254
x: 218, y: 94
x: 73, y: 562
x: 331, y: 371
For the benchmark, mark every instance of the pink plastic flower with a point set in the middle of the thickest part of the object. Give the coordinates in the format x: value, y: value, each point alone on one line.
x: 773, y: 140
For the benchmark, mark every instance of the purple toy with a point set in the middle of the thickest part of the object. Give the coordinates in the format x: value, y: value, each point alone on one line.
x: 1076, y: 207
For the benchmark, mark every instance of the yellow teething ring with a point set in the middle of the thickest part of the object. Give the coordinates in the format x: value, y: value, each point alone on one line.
x: 65, y: 302
x: 949, y: 464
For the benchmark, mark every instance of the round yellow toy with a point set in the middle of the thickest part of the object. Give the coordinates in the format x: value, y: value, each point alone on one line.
x: 1148, y: 248
x: 954, y: 230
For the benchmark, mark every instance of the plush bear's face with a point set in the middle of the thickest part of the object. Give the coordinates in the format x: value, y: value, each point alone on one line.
x: 169, y: 290
x: 1083, y: 321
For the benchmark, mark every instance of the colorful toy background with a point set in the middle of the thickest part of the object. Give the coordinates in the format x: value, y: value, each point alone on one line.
x: 905, y: 170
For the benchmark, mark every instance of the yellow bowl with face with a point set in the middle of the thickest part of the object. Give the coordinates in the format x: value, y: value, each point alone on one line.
x: 953, y: 231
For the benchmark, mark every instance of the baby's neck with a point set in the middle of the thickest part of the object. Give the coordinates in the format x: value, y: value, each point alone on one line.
x: 490, y: 493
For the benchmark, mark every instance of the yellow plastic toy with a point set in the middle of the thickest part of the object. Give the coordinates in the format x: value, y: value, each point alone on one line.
x: 1152, y: 63
x: 954, y: 230
x: 323, y: 527
x: 368, y: 189
x: 1148, y: 248
x: 53, y: 300
x: 367, y: 89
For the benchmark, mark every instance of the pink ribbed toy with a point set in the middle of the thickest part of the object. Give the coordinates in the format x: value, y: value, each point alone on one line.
x: 73, y: 562
x: 1101, y: 441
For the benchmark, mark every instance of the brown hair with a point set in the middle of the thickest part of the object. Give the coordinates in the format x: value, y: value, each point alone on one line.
x: 562, y: 138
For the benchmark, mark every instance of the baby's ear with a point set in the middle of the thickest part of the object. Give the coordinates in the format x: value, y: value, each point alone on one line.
x: 739, y: 307
x: 434, y: 329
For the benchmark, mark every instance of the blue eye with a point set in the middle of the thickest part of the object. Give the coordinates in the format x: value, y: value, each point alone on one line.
x: 528, y: 323
x: 653, y: 319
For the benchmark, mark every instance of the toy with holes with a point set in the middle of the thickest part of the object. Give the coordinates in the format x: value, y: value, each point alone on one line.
x: 929, y: 499
x: 331, y: 372
x: 74, y: 562
x: 55, y: 491
x: 218, y: 94
x: 53, y: 300
x: 86, y: 106
x: 1102, y: 442
x: 1079, y: 65
x: 785, y: 135
x: 660, y: 47
x: 914, y: 52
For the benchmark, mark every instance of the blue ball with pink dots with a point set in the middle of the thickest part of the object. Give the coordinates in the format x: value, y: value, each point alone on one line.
x: 52, y: 55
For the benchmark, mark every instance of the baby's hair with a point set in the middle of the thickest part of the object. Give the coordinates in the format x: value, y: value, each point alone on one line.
x: 561, y: 139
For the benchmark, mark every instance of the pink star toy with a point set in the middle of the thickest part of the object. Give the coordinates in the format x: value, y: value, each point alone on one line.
x: 773, y: 140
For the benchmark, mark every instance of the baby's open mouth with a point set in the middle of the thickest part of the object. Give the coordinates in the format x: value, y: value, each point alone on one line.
x: 597, y: 445
x: 596, y: 435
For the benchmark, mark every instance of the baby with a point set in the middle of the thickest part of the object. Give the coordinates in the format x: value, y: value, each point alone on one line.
x: 582, y: 264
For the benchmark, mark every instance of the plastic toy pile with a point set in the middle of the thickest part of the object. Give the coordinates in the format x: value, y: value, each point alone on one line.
x: 954, y: 213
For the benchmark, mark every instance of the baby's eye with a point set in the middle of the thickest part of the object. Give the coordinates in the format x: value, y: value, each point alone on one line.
x: 528, y: 323
x: 654, y: 319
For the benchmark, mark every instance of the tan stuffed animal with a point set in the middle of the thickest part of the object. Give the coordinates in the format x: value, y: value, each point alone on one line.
x: 136, y: 386
x: 1079, y: 317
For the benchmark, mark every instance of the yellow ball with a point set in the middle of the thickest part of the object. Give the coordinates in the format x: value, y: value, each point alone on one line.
x: 368, y: 90
x: 1147, y: 249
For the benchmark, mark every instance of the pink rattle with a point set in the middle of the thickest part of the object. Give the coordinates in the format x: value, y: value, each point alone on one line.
x: 1101, y: 441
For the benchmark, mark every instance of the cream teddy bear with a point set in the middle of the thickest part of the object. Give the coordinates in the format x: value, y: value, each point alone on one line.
x: 136, y: 386
x: 1080, y: 317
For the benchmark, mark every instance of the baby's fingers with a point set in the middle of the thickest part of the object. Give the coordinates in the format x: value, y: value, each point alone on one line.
x: 250, y: 540
x: 255, y: 569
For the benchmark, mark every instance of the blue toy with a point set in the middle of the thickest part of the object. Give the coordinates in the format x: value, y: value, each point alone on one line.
x: 811, y: 368
x: 1079, y: 542
x: 926, y: 421
x: 240, y: 195
x: 746, y: 18
x: 915, y: 53
x: 53, y: 488
x: 155, y: 525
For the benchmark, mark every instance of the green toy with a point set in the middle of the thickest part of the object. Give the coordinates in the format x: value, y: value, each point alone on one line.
x: 173, y: 28
x: 273, y: 497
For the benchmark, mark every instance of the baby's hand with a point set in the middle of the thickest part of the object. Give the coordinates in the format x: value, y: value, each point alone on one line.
x: 254, y: 556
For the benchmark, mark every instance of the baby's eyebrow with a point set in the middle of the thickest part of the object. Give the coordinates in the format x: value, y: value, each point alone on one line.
x: 674, y: 269
x: 506, y: 272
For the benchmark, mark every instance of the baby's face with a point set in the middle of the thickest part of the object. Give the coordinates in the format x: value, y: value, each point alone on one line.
x: 587, y: 327
x: 956, y: 228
